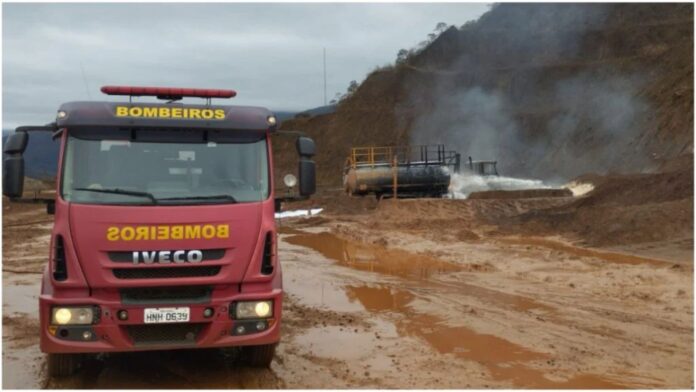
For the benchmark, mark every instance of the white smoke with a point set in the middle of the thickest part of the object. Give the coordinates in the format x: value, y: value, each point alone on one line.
x: 462, y: 185
x: 505, y: 99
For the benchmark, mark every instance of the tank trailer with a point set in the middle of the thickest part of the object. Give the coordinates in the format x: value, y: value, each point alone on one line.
x: 407, y: 171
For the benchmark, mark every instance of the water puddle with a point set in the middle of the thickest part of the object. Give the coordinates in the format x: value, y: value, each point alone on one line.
x: 504, y: 360
x: 373, y: 258
x: 619, y: 258
x: 408, y: 265
x: 380, y: 298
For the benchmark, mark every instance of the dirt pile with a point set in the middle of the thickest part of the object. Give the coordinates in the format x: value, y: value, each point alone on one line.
x: 551, y: 91
x: 650, y: 213
x: 622, y: 210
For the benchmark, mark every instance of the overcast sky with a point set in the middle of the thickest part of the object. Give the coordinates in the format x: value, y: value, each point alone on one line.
x: 270, y: 53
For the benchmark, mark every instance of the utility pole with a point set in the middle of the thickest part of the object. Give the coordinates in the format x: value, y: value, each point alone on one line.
x: 324, y: 76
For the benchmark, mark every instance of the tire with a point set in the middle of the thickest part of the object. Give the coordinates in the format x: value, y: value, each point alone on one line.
x: 61, y: 365
x: 258, y: 356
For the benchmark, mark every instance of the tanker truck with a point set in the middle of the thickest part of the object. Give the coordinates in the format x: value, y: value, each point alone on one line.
x: 164, y: 234
x: 404, y: 171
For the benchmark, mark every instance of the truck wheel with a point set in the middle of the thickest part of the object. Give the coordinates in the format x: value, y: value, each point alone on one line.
x: 258, y: 356
x: 60, y: 365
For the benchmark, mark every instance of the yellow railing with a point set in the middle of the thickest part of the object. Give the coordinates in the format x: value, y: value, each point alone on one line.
x: 374, y: 155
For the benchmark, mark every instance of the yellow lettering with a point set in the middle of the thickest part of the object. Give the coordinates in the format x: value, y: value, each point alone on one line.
x: 164, y: 112
x: 192, y: 232
x: 149, y: 112
x: 112, y: 233
x: 136, y: 112
x: 127, y: 233
x: 177, y: 232
x: 223, y: 231
x: 121, y: 111
x: 141, y: 233
x: 162, y: 232
x: 208, y: 231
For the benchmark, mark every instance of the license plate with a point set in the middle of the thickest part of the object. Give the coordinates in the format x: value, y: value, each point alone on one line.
x: 166, y: 315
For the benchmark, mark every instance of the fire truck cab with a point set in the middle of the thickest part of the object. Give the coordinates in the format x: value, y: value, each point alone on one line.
x: 164, y: 234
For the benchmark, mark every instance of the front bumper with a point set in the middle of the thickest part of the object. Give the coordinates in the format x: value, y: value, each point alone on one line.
x: 113, y: 335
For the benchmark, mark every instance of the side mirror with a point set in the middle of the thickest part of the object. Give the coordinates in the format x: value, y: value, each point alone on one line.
x: 16, y: 143
x: 307, y: 183
x: 13, y: 165
x: 308, y: 176
x: 305, y: 147
x: 13, y: 176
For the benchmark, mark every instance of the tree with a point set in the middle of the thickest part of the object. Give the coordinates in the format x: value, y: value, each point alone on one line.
x: 352, y: 87
x: 402, y: 56
x: 441, y: 27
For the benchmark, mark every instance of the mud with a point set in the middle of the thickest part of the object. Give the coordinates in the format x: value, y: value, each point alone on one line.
x: 367, y: 307
x: 372, y: 258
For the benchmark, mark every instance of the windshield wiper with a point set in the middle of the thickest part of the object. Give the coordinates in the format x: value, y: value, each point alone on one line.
x: 117, y: 191
x: 211, y: 197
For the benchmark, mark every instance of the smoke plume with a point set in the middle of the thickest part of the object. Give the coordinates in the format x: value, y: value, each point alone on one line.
x: 510, y: 96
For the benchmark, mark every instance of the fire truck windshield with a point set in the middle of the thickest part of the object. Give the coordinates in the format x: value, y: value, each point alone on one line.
x: 164, y: 167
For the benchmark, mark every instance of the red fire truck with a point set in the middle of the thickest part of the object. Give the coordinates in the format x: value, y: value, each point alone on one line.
x: 164, y: 234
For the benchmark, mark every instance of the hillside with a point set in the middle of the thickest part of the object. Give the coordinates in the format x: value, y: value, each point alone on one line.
x: 550, y: 91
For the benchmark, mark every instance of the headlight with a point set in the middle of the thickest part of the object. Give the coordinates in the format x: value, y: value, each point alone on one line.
x: 253, y: 309
x: 82, y: 315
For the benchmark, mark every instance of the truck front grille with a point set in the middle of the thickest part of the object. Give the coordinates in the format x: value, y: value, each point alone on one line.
x: 166, y: 295
x: 163, y: 334
x: 127, y: 256
x: 166, y: 272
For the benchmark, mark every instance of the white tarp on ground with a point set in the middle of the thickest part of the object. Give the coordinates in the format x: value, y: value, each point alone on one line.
x: 296, y: 213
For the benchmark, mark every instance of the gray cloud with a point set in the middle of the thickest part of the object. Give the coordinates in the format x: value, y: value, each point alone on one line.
x: 270, y: 53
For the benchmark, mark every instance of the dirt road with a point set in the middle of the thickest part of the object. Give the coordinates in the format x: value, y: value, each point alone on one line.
x: 407, y: 310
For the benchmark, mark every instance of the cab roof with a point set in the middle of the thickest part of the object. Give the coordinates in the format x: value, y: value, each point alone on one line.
x: 168, y: 115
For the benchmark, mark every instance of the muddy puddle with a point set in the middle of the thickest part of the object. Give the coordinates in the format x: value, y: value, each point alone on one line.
x: 403, y: 264
x: 506, y: 361
x: 372, y: 258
